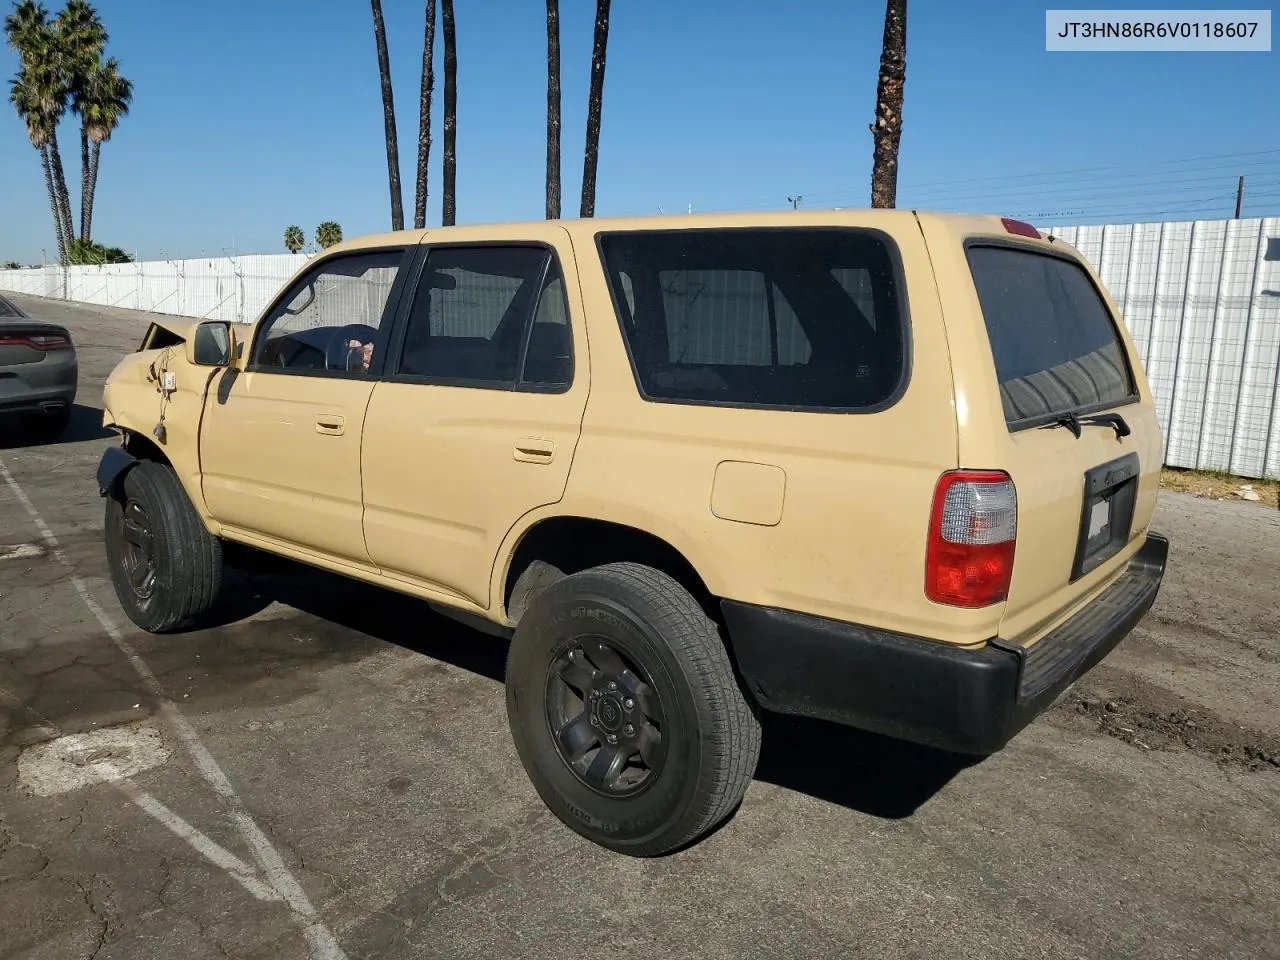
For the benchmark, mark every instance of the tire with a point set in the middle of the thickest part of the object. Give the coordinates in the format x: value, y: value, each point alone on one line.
x: 175, y: 582
x: 696, y: 767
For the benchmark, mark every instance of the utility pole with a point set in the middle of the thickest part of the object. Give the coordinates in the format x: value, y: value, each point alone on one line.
x: 795, y: 201
x: 1239, y: 197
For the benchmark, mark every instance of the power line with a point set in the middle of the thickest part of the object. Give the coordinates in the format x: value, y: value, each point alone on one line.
x: 1101, y: 189
x: 1136, y: 171
x: 1060, y: 173
x: 1127, y: 212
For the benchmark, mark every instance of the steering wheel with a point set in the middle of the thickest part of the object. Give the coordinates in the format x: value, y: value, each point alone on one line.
x: 340, y: 356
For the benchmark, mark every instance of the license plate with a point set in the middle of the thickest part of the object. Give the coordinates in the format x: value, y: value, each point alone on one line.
x: 1110, y: 490
x: 1099, y: 518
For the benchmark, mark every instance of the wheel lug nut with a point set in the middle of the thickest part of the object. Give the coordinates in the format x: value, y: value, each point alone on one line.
x: 595, y: 721
x: 628, y: 703
x: 613, y: 738
x: 612, y: 685
x: 628, y: 729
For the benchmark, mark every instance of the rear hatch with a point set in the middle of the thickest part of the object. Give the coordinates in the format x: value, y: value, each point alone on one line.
x: 1079, y: 434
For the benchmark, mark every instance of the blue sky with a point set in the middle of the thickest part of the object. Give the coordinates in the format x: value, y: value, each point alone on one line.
x: 249, y: 116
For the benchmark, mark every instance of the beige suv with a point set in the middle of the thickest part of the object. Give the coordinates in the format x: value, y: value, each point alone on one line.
x: 887, y: 468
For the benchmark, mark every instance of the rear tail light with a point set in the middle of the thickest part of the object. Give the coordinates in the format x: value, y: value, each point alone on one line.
x: 972, y: 533
x: 37, y: 341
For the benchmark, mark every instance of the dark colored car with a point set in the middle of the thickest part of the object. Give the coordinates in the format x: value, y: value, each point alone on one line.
x: 38, y: 372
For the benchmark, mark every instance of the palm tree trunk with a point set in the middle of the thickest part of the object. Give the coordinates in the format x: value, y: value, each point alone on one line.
x: 594, y: 104
x: 84, y: 182
x: 389, y: 118
x: 887, y: 130
x: 93, y: 188
x: 53, y: 204
x: 450, y: 164
x: 553, y: 109
x: 60, y: 183
x: 424, y: 116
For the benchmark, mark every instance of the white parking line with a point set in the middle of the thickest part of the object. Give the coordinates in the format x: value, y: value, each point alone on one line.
x: 282, y: 881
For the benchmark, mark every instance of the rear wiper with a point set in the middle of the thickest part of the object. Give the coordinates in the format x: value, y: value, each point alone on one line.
x: 1113, y: 420
x: 1069, y: 421
x: 1076, y: 424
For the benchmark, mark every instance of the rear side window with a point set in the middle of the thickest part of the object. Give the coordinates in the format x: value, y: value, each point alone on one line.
x: 795, y: 318
x: 479, y: 313
x: 1055, y: 346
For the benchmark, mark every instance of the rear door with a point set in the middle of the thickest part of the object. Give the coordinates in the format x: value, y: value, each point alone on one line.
x: 1080, y: 437
x: 477, y: 417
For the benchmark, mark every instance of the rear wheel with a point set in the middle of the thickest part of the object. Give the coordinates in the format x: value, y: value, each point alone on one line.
x: 625, y: 710
x: 165, y: 565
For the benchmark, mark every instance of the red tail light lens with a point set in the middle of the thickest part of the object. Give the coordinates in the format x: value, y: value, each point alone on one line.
x: 972, y: 533
x: 1020, y: 228
x: 37, y: 341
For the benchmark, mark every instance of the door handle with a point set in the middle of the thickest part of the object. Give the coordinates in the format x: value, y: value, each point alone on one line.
x: 331, y: 424
x: 535, y: 450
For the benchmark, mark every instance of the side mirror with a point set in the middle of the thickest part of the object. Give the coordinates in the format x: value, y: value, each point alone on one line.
x: 212, y: 344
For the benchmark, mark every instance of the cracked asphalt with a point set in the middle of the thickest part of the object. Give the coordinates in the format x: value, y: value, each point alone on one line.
x: 366, y: 737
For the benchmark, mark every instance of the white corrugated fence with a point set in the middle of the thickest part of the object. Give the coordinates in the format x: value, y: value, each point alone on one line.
x: 1201, y: 298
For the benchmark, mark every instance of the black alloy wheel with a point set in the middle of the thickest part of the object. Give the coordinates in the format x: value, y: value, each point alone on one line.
x: 605, y: 717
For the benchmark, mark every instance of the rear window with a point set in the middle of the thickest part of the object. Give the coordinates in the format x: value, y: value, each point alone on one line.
x: 794, y: 318
x: 1055, y: 345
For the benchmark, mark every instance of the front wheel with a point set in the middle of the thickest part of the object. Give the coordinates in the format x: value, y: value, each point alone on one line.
x: 625, y: 710
x: 165, y: 565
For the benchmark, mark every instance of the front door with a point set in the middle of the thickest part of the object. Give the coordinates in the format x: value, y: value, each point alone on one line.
x: 280, y: 442
x: 476, y: 423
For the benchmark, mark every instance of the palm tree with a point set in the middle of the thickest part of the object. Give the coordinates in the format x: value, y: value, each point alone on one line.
x: 553, y: 109
x: 24, y: 100
x: 424, y: 116
x: 104, y: 104
x: 887, y: 130
x: 448, y: 212
x: 294, y: 240
x: 388, y: 117
x: 43, y: 77
x: 594, y: 104
x: 82, y: 39
x: 327, y: 234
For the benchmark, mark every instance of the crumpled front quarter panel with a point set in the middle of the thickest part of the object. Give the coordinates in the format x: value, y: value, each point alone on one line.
x: 133, y: 401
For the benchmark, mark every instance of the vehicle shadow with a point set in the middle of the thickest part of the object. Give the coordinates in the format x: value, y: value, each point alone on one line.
x: 867, y: 772
x: 872, y: 774
x: 85, y: 424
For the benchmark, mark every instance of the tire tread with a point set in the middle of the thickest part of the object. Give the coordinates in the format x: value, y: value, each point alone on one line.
x: 728, y: 725
x: 735, y: 729
x: 196, y: 555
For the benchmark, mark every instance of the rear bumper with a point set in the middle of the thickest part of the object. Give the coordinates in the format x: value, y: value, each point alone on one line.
x: 36, y: 387
x: 966, y: 700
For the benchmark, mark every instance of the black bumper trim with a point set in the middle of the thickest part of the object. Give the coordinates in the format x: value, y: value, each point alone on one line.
x: 115, y: 462
x: 1072, y: 648
x: 962, y: 699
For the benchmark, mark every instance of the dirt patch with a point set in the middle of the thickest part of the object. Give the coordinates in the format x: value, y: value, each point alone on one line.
x: 1149, y: 717
x: 1220, y: 486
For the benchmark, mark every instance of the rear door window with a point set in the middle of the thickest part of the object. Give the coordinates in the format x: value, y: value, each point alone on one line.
x: 800, y: 318
x: 1055, y: 344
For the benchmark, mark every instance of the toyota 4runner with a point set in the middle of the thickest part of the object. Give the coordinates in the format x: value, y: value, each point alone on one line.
x: 887, y: 468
